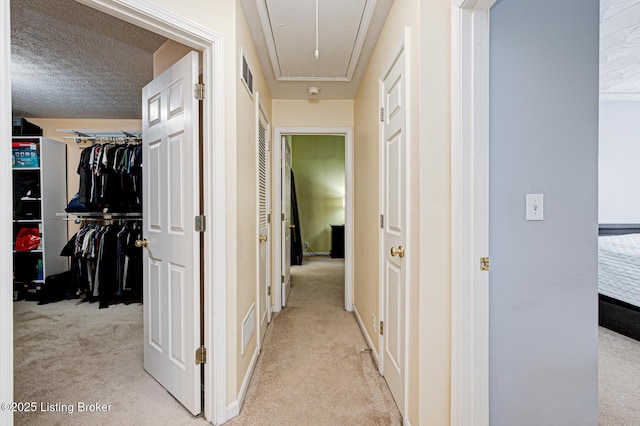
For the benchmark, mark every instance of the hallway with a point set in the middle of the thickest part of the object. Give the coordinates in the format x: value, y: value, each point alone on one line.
x: 312, y: 369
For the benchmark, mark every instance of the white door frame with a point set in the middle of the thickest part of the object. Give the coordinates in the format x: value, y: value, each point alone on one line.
x: 347, y: 132
x: 469, y: 212
x: 6, y: 232
x: 157, y: 19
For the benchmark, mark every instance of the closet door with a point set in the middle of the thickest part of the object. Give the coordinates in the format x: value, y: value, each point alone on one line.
x: 171, y: 188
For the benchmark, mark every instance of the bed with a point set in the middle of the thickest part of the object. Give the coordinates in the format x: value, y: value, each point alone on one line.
x: 619, y: 279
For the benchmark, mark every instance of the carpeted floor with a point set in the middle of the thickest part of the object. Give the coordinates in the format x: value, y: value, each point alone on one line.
x: 67, y: 353
x: 618, y: 379
x: 312, y: 370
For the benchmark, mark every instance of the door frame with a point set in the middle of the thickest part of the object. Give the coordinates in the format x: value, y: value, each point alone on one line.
x: 470, y: 30
x: 6, y: 264
x: 260, y: 112
x: 159, y: 20
x: 347, y: 132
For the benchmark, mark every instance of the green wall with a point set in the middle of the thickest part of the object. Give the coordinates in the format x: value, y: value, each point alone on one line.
x: 318, y: 167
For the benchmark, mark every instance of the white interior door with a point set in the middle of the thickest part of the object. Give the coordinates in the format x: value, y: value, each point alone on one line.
x: 171, y: 188
x: 287, y: 226
x: 393, y: 240
x: 264, y: 285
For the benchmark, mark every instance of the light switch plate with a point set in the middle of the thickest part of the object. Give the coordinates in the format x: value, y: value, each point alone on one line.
x: 535, y: 207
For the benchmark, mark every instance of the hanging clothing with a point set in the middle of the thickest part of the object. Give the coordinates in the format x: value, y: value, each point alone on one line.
x: 110, y: 178
x: 106, y: 264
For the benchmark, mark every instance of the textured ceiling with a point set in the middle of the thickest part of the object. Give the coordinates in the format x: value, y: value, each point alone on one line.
x: 284, y: 32
x: 71, y: 61
x: 620, y: 49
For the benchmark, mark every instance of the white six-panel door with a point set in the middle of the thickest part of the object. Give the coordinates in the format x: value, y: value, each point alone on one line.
x: 286, y: 223
x: 394, y: 223
x: 171, y: 188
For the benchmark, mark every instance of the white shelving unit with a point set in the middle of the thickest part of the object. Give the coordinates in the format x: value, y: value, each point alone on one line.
x: 37, y: 209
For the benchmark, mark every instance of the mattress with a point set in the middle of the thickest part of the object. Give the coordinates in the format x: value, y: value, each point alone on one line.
x: 619, y: 267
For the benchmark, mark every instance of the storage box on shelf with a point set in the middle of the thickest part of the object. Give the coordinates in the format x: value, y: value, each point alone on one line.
x: 39, y: 192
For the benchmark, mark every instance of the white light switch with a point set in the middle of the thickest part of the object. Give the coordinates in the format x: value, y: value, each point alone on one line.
x: 535, y: 207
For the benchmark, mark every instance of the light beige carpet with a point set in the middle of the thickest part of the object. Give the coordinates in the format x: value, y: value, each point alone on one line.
x: 312, y: 370
x: 67, y: 353
x: 618, y: 379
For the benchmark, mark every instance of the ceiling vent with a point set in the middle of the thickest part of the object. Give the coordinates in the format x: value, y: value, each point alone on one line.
x: 247, y: 75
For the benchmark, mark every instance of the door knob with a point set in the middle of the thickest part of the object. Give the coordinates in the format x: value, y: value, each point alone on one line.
x: 142, y: 243
x: 292, y: 227
x: 262, y: 238
x: 397, y: 251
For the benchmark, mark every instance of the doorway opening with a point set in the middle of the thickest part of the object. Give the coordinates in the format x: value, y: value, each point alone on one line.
x: 326, y: 200
x: 197, y: 38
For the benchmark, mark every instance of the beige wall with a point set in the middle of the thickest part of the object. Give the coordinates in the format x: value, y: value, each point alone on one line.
x: 429, y: 346
x: 247, y: 187
x: 168, y: 54
x: 312, y: 113
x: 435, y: 214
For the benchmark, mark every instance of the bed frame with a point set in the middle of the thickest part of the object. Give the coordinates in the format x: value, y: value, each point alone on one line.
x: 615, y: 314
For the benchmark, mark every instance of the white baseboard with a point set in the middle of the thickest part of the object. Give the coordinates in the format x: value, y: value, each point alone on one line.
x: 366, y: 336
x: 233, y: 409
x: 317, y: 253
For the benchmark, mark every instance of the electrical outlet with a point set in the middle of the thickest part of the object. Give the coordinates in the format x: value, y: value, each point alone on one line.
x: 373, y: 321
x: 306, y: 244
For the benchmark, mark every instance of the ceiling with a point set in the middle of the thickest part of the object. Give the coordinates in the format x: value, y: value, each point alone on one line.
x: 284, y: 33
x: 72, y: 61
x: 620, y: 49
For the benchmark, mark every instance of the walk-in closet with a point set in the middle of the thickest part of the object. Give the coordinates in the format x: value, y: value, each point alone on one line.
x: 77, y: 75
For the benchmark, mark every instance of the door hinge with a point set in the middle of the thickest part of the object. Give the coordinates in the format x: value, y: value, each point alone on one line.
x: 485, y: 263
x: 381, y: 221
x: 382, y: 114
x: 282, y: 279
x: 201, y: 355
x: 382, y: 328
x: 198, y: 91
x: 282, y: 217
x: 269, y: 291
x: 269, y: 218
x: 200, y: 223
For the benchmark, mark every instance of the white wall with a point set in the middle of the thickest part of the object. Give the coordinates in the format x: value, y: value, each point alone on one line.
x: 543, y: 320
x: 619, y: 162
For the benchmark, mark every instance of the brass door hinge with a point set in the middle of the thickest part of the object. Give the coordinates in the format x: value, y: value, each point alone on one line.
x: 485, y: 263
x: 382, y: 328
x: 201, y: 355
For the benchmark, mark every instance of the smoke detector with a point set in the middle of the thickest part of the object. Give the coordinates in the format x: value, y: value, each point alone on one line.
x: 313, y: 90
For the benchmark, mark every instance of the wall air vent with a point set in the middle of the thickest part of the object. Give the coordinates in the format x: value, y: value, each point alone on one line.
x: 247, y: 75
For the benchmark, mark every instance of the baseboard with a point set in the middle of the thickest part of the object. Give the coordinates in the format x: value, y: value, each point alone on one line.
x: 366, y: 336
x: 317, y: 253
x: 233, y: 409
